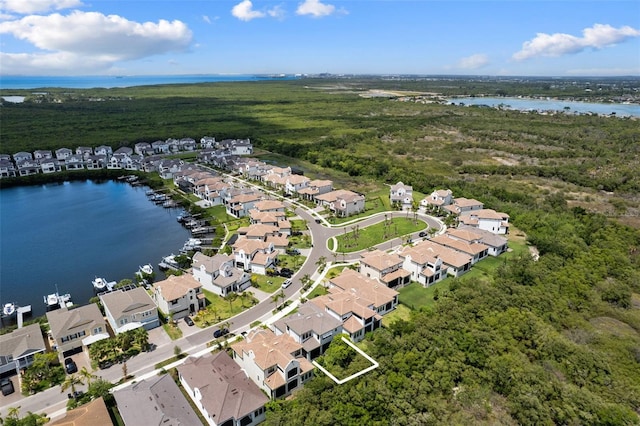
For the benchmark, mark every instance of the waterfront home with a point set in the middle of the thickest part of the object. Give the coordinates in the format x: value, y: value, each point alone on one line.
x: 18, y: 348
x: 28, y: 167
x: 221, y: 391
x: 97, y: 161
x: 254, y: 255
x: 218, y: 274
x: 50, y: 165
x: 310, y: 326
x: 90, y: 414
x: 179, y: 296
x: 42, y: 154
x: 342, y: 202
x: 401, y: 194
x: 496, y: 244
x: 240, y: 205
x: 486, y: 219
x: 129, y: 309
x: 275, y: 363
x: 74, y: 162
x: 7, y: 169
x: 315, y: 188
x: 74, y: 330
x: 168, y: 167
x: 63, y: 153
x: 103, y: 150
x: 22, y: 156
x: 385, y: 267
x: 155, y: 401
x: 477, y: 251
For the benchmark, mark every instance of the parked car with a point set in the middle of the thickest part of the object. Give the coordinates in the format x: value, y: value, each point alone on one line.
x: 287, y: 283
x: 286, y: 272
x: 220, y: 332
x: 296, y: 233
x: 422, y: 234
x: 70, y: 366
x: 7, y: 386
x: 188, y: 320
x: 293, y: 251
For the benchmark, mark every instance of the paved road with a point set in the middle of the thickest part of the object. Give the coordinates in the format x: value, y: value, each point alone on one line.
x: 53, y: 402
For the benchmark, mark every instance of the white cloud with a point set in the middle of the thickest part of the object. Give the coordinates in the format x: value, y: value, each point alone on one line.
x: 206, y: 19
x: 315, y: 8
x: 90, y: 40
x: 25, y: 7
x: 244, y: 11
x: 51, y: 63
x: 558, y: 44
x: 277, y: 12
x: 474, y: 61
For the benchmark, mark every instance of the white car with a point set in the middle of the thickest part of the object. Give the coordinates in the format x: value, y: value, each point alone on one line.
x: 286, y: 283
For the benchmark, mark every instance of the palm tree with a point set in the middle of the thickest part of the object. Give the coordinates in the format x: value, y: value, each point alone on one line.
x: 71, y: 381
x: 230, y: 298
x: 13, y: 413
x: 141, y: 338
x: 321, y: 262
x: 86, y: 375
x: 278, y: 296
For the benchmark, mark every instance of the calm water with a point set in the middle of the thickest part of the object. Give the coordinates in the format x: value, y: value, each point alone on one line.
x: 66, y: 234
x: 107, y: 81
x: 569, y: 107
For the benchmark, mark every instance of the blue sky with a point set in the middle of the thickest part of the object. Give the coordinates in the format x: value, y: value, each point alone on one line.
x: 510, y: 37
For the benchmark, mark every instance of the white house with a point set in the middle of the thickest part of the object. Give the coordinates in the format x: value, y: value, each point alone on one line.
x: 179, y: 296
x: 129, y: 309
x: 218, y: 274
x: 402, y: 194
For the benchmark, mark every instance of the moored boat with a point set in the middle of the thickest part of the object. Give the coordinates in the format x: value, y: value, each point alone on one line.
x: 101, y: 284
x: 145, y: 270
x: 9, y: 309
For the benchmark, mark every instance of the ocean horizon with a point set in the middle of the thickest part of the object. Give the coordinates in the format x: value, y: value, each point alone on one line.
x: 21, y: 82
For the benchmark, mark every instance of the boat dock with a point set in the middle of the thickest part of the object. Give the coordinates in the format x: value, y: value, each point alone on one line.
x: 22, y: 310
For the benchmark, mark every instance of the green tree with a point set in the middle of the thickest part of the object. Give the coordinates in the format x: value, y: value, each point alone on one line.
x: 86, y: 375
x: 70, y: 382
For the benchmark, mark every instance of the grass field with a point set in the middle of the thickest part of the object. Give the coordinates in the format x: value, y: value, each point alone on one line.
x: 415, y: 296
x: 376, y: 234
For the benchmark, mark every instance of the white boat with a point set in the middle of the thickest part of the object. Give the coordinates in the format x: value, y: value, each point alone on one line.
x: 169, y: 262
x: 145, y: 270
x: 51, y: 300
x: 56, y: 300
x: 101, y: 284
x: 9, y: 309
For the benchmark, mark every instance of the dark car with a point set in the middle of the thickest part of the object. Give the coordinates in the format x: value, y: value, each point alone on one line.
x: 220, y: 332
x: 7, y: 386
x: 70, y: 366
x: 422, y: 234
x: 285, y: 272
x: 293, y: 251
x: 189, y: 321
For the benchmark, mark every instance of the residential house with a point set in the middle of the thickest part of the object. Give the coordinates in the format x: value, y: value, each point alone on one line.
x: 315, y: 188
x: 497, y: 244
x: 402, y: 195
x: 103, y: 150
x: 90, y: 414
x: 342, y: 202
x: 74, y: 330
x: 486, y: 219
x: 424, y: 263
x: 310, y: 326
x: 42, y: 154
x: 179, y: 296
x: 240, y: 205
x: 456, y: 263
x: 275, y: 363
x: 155, y: 401
x: 385, y: 267
x: 462, y: 205
x: 254, y: 255
x: 84, y: 151
x: 295, y: 183
x: 207, y: 142
x: 18, y: 348
x: 49, y: 165
x: 94, y: 162
x: 168, y: 167
x: 63, y: 153
x: 143, y: 148
x: 160, y: 147
x: 129, y: 309
x: 124, y: 150
x: 218, y: 274
x: 438, y: 198
x: 7, y: 169
x: 477, y: 251
x: 74, y: 162
x: 28, y: 167
x: 21, y: 156
x: 221, y: 391
x: 187, y: 144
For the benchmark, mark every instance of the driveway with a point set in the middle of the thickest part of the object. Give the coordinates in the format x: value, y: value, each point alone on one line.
x: 159, y: 337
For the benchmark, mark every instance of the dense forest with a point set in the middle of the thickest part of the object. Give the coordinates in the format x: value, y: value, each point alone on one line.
x: 552, y: 341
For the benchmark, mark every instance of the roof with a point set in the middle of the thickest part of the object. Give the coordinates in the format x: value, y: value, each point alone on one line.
x: 268, y: 349
x: 127, y: 303
x: 309, y: 317
x: 267, y: 205
x: 467, y: 202
x: 226, y: 391
x: 458, y: 245
x: 449, y: 256
x: 90, y: 414
x: 343, y: 303
x: 211, y: 263
x: 380, y: 260
x: 155, y: 401
x: 175, y: 287
x: 64, y: 321
x: 487, y: 237
x: 22, y: 342
x: 486, y: 214
x: 361, y: 286
x: 339, y: 194
x: 249, y: 245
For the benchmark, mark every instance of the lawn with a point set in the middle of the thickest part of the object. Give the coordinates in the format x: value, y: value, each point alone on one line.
x: 415, y: 296
x: 172, y: 330
x: 401, y: 312
x: 376, y: 234
x: 318, y: 291
x: 219, y: 309
x: 265, y: 283
x: 371, y: 206
x: 219, y: 212
x: 298, y: 225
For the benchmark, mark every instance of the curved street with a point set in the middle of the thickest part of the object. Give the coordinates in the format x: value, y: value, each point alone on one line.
x: 53, y: 401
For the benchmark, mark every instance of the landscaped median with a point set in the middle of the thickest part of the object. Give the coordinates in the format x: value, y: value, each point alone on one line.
x: 356, y: 238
